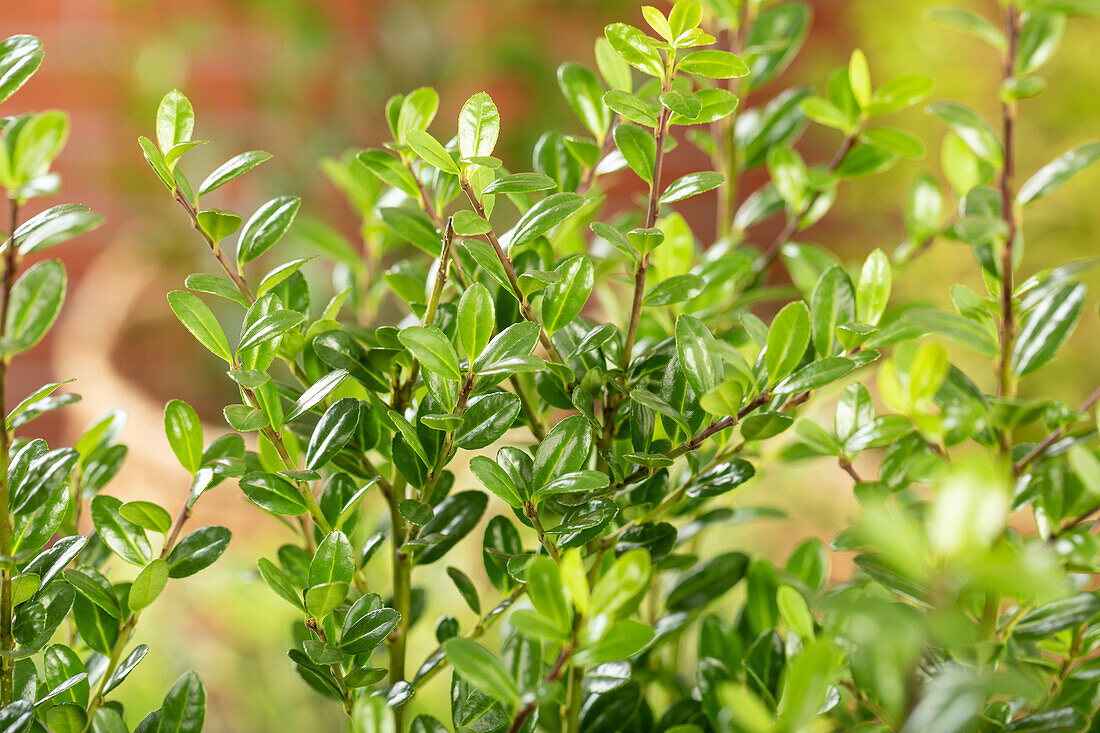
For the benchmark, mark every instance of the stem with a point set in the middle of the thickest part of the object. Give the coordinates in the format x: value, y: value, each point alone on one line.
x: 555, y: 673
x: 7, y: 640
x: 659, y: 134
x: 531, y: 513
x: 529, y: 412
x: 849, y: 469
x: 510, y: 270
x: 574, y: 699
x: 1006, y: 386
x: 794, y: 221
x: 96, y: 700
x: 725, y: 134
x: 1051, y: 439
x: 588, y: 179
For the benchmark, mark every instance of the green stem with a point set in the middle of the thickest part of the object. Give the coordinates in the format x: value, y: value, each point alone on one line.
x: 532, y: 513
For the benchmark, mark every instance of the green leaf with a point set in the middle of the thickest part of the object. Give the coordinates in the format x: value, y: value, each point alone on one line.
x: 520, y: 183
x: 1047, y: 327
x: 417, y: 111
x: 433, y: 350
x: 544, y: 216
x: 478, y: 127
x: 454, y: 518
x: 268, y: 327
x: 622, y: 640
x: 36, y: 300
x: 547, y: 593
x: 638, y: 148
x: 431, y: 151
x: 1055, y: 174
x: 691, y: 185
x: 585, y: 95
x: 198, y: 551
x: 332, y: 433
x: 873, y: 291
x: 20, y: 56
x: 486, y: 419
x: 278, y: 581
x: 233, y: 168
x: 816, y: 374
x: 496, y: 480
x: 832, y: 304
x: 318, y: 391
x: 466, y: 588
x: 147, y: 515
x: 614, y: 70
x: 631, y: 107
x: 126, y: 539
x: 184, y: 707
x: 95, y: 588
x: 148, y: 584
x: 476, y: 320
x: 408, y: 432
x: 266, y: 227
x: 969, y: 23
x: 788, y: 338
x: 564, y: 449
x: 859, y: 78
x: 219, y: 224
x: 676, y: 289
x: 684, y: 104
x: 702, y: 368
x: 482, y: 669
x: 564, y: 299
x: 184, y: 431
x: 1039, y: 39
x: 175, y: 120
x: 635, y: 48
x: 789, y: 176
x: 54, y: 226
x: 893, y: 140
x: 333, y: 561
x: 200, y: 321
x: 707, y: 581
x: 273, y: 493
x: 365, y: 628
x: 713, y: 64
x: 623, y: 584
x: 971, y: 129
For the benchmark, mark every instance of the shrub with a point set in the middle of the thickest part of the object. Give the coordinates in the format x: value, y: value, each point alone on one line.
x: 51, y: 576
x: 610, y: 384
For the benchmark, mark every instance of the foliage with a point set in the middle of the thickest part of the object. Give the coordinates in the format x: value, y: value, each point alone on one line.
x: 56, y: 583
x: 610, y: 383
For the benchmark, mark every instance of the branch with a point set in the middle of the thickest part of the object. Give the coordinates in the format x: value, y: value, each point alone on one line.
x: 1045, y: 443
x: 793, y: 222
x: 1005, y: 386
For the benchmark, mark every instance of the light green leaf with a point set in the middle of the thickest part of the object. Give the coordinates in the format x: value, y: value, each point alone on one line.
x: 478, y: 127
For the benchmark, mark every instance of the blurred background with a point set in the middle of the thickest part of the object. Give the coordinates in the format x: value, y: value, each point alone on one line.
x: 305, y: 79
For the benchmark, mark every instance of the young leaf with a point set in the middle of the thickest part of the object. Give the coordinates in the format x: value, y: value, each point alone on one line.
x: 971, y: 129
x: 266, y: 227
x: 478, y: 127
x: 873, y: 291
x: 126, y: 539
x: 431, y: 151
x: 433, y: 350
x: 788, y: 338
x: 148, y: 584
x: 184, y: 431
x: 564, y: 299
x: 175, y: 120
x: 20, y: 56
x: 233, y: 168
x: 544, y: 216
x: 476, y: 320
x: 36, y: 301
x: 482, y: 669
